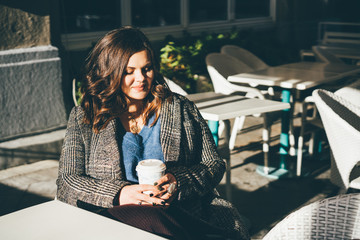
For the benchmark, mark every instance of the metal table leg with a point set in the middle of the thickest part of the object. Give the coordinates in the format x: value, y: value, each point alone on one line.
x: 286, y: 143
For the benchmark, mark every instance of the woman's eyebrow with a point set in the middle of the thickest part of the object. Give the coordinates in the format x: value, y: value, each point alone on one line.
x: 146, y: 65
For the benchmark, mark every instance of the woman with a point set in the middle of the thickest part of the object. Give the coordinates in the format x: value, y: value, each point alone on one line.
x: 129, y: 114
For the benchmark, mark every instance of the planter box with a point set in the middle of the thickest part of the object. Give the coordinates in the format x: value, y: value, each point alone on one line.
x: 31, y: 96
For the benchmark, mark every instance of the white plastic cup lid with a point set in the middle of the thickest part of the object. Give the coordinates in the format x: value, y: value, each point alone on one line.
x: 151, y: 165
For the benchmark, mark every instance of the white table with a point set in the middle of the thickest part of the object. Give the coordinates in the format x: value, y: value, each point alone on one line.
x: 59, y: 221
x: 300, y: 75
x: 215, y: 107
x: 292, y: 77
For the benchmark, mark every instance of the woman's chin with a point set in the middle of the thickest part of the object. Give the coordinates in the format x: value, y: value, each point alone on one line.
x: 138, y: 96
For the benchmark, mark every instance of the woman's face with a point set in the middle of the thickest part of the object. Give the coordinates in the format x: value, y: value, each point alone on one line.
x: 138, y: 77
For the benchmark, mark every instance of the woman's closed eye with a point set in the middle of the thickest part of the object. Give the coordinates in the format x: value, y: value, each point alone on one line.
x: 143, y: 70
x: 147, y: 68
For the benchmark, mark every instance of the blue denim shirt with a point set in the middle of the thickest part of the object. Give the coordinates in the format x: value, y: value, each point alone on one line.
x: 137, y: 147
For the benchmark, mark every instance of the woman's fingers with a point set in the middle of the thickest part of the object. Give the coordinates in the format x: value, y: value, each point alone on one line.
x: 154, y: 201
x: 149, y: 195
x: 167, y: 178
x: 134, y: 194
x: 144, y: 194
x: 168, y: 182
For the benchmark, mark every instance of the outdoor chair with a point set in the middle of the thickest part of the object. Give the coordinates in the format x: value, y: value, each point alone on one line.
x: 313, y: 123
x: 331, y: 218
x: 220, y: 66
x: 351, y: 92
x: 341, y: 120
x: 310, y: 124
x: 175, y: 88
x: 245, y: 56
x: 323, y: 55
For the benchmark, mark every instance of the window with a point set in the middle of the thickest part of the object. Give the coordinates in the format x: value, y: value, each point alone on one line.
x: 155, y: 13
x: 206, y: 11
x: 251, y: 9
x: 84, y: 22
x: 89, y: 16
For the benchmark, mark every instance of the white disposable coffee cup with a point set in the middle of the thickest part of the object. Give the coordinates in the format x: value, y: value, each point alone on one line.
x: 150, y: 170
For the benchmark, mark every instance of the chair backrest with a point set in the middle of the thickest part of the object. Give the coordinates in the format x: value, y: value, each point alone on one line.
x: 174, y: 87
x: 331, y: 218
x: 323, y: 55
x: 351, y: 92
x: 245, y: 56
x: 220, y: 66
x: 341, y: 121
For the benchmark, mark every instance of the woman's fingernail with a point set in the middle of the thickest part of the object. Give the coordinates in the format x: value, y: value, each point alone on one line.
x: 151, y: 194
x: 154, y: 204
x: 155, y: 183
x: 163, y: 202
x: 159, y: 188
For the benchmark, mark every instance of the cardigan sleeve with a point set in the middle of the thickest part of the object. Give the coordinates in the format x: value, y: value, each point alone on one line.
x: 73, y: 185
x: 202, y: 168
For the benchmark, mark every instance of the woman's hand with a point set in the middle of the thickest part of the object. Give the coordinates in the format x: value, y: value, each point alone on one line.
x: 161, y: 194
x: 167, y: 184
x: 140, y: 194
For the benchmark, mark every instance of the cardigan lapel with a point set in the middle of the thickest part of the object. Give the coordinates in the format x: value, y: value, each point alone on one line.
x: 106, y: 149
x: 170, y: 130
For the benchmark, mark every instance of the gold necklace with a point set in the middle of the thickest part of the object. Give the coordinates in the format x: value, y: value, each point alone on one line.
x: 134, y: 117
x: 133, y: 124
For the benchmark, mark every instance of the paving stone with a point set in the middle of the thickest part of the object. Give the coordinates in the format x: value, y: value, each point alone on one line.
x: 36, y: 178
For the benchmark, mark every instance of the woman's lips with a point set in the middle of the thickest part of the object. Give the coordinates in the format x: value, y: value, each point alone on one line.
x: 139, y: 88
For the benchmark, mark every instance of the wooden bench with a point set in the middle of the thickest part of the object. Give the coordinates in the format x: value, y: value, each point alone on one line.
x: 341, y: 39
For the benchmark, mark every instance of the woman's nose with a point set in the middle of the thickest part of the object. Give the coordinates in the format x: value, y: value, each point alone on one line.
x: 139, y: 75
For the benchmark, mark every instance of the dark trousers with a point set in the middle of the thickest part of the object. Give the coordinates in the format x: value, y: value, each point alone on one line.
x: 169, y: 223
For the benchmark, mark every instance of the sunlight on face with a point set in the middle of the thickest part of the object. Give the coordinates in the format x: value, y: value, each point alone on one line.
x: 139, y: 75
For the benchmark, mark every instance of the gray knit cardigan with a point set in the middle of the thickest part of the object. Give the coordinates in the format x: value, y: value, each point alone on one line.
x: 91, y: 171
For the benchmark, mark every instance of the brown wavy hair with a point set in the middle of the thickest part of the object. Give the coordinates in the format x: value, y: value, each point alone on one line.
x: 105, y: 68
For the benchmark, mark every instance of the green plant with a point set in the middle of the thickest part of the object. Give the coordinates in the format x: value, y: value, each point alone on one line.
x: 76, y: 92
x: 184, y: 60
x: 176, y: 64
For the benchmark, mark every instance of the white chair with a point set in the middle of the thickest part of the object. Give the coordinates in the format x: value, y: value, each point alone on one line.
x: 245, y: 56
x: 175, y: 88
x: 309, y: 124
x: 341, y: 120
x: 220, y: 66
x: 314, y: 124
x: 331, y: 218
x: 351, y: 92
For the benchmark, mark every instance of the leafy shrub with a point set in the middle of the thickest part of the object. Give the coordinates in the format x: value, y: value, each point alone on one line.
x: 183, y: 60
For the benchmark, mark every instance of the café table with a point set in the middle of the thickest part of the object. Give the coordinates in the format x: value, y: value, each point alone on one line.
x: 59, y: 221
x: 290, y: 78
x: 216, y: 107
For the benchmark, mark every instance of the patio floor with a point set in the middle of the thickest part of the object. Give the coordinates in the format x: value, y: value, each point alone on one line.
x: 264, y: 201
